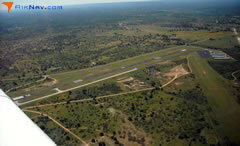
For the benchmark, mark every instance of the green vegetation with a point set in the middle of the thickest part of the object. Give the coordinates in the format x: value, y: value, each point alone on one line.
x: 55, y: 132
x: 145, y: 75
x: 185, y: 112
x: 225, y: 68
x: 162, y: 116
x: 177, y: 99
x: 226, y: 42
x: 221, y: 96
x: 66, y: 77
x: 62, y: 43
x: 105, y: 88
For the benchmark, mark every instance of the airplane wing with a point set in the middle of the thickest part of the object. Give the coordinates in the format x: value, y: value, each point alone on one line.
x: 16, y: 129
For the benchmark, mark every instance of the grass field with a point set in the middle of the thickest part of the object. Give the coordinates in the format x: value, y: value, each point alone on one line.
x: 220, y: 95
x: 228, y: 41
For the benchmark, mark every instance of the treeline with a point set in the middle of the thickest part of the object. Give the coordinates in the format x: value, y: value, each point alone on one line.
x: 147, y: 76
x: 97, y: 90
x: 225, y: 68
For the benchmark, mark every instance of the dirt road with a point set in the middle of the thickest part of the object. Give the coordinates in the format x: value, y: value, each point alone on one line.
x: 60, y: 125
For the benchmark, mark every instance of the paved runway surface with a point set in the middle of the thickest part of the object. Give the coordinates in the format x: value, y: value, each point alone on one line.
x: 204, y: 54
x: 100, y: 74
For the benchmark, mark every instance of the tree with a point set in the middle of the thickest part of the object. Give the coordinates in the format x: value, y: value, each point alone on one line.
x: 93, y: 140
x: 67, y: 138
x: 130, y: 118
x: 133, y: 107
x: 102, y: 144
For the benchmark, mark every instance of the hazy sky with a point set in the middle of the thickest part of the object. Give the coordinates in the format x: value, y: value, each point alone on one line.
x: 58, y: 2
x: 75, y: 2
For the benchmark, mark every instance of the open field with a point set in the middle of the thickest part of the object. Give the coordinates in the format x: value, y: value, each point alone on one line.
x: 199, y: 35
x: 220, y: 96
x: 226, y: 42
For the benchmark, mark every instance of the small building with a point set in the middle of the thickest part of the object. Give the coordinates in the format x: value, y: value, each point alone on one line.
x: 221, y: 58
x: 219, y: 55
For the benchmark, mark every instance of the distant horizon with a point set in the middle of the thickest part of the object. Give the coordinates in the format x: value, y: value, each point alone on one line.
x: 64, y: 2
x: 89, y: 2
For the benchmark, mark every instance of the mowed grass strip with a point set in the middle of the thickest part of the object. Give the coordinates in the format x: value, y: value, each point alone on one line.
x: 75, y: 75
x: 220, y: 97
x: 66, y: 77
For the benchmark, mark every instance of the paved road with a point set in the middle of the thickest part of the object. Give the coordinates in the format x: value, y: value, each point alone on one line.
x: 98, y: 75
